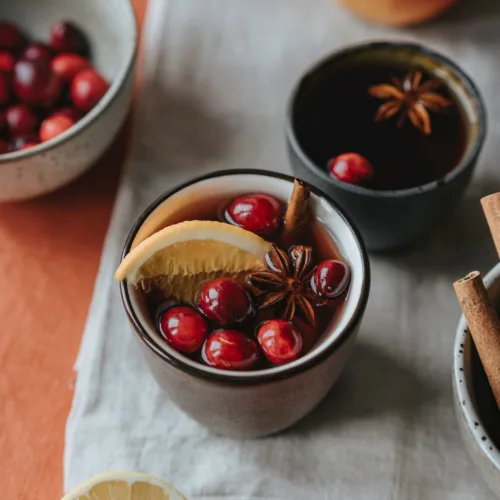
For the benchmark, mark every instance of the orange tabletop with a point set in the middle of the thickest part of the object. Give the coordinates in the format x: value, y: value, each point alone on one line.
x: 49, y: 255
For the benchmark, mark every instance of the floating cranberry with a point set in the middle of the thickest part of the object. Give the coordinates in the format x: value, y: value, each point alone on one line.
x: 259, y: 213
x: 19, y: 141
x: 11, y: 38
x: 29, y: 145
x: 21, y: 119
x: 67, y: 37
x: 331, y: 278
x: 5, y: 92
x: 230, y: 350
x: 53, y: 126
x: 7, y: 62
x: 351, y: 168
x: 184, y: 328
x: 280, y: 341
x: 68, y: 111
x: 66, y: 66
x: 87, y: 89
x: 37, y: 52
x: 225, y: 301
x: 35, y: 84
x: 4, y: 147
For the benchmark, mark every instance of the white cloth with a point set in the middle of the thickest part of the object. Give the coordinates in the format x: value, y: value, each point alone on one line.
x: 218, y: 74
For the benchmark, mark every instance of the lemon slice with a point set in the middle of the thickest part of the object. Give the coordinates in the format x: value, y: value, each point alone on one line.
x: 179, y: 257
x: 125, y: 486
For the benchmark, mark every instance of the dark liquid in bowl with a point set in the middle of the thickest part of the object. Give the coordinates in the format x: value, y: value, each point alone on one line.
x: 313, y: 234
x: 486, y: 405
x: 335, y: 114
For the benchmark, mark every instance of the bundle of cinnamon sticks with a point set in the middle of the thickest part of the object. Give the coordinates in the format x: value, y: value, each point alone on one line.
x: 482, y: 320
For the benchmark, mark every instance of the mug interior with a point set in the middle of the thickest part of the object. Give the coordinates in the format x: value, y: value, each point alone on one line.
x: 175, y: 209
x: 457, y: 82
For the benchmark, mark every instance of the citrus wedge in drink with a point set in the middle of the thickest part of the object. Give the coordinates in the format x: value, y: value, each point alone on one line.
x: 180, y: 257
x: 125, y: 486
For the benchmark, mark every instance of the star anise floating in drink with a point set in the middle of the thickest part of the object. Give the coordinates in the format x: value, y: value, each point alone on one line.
x: 286, y: 284
x: 411, y: 98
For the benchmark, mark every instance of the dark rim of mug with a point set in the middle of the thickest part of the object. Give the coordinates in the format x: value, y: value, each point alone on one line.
x: 465, y: 163
x: 254, y: 379
x: 99, y: 109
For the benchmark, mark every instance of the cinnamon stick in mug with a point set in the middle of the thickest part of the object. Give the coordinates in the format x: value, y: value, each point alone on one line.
x: 483, y: 324
x: 296, y: 210
x: 491, y: 208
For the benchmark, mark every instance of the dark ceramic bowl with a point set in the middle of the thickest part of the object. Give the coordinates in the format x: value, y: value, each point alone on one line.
x: 390, y: 219
x: 259, y: 402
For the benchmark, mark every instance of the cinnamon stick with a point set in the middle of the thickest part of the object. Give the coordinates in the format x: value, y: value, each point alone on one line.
x: 483, y: 324
x: 491, y: 208
x: 297, y: 206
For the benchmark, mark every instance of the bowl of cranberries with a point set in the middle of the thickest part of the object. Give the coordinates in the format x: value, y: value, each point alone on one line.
x: 246, y: 290
x: 66, y: 72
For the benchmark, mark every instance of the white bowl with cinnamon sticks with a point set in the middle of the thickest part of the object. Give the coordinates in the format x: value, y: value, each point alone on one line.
x: 476, y: 360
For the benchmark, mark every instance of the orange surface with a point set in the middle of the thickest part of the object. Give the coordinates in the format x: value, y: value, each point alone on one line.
x: 43, y: 307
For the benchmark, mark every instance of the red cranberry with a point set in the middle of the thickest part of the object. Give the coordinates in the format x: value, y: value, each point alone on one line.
x: 230, y: 350
x: 53, y: 126
x: 21, y: 119
x: 184, y: 328
x: 280, y: 341
x: 11, y: 38
x: 331, y: 278
x: 37, y: 52
x: 259, y: 213
x: 19, y: 141
x: 29, y: 145
x: 35, y: 84
x: 68, y: 111
x: 67, y: 37
x: 225, y: 301
x: 66, y: 66
x: 5, y: 93
x: 351, y: 168
x: 7, y: 62
x: 87, y: 89
x: 4, y: 147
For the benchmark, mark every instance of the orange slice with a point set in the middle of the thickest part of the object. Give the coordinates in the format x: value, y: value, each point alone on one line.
x: 180, y: 257
x: 125, y: 486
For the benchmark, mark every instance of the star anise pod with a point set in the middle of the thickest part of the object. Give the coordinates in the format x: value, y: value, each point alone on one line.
x: 286, y: 283
x: 410, y: 98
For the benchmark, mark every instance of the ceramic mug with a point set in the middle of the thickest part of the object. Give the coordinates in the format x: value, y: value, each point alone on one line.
x: 261, y: 402
x: 392, y: 218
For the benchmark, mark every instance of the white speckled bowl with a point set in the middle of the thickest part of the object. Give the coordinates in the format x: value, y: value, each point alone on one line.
x: 475, y: 407
x: 111, y: 28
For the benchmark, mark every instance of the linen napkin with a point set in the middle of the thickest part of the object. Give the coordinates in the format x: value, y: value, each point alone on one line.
x: 218, y: 74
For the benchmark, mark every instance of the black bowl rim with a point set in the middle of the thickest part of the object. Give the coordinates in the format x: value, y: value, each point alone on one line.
x: 111, y: 95
x: 228, y: 378
x: 467, y: 162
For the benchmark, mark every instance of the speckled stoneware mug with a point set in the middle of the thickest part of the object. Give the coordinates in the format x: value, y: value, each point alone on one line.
x: 250, y: 403
x: 475, y: 407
